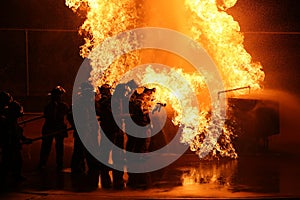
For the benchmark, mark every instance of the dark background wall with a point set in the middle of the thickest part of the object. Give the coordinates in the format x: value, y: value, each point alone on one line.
x: 40, y: 45
x: 272, y: 36
x: 39, y: 49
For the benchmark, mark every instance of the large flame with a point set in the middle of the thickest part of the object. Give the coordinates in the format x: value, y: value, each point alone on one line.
x: 220, y: 35
x: 206, y: 21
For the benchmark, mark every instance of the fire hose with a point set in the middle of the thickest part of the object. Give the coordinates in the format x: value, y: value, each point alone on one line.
x: 29, y: 141
x: 54, y: 133
x: 235, y: 89
x: 31, y: 120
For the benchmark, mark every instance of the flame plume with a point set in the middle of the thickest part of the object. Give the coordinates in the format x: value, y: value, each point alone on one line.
x: 206, y: 21
x: 106, y: 18
x: 220, y: 35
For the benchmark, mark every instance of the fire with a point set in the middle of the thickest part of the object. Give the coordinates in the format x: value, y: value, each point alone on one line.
x: 207, y: 22
x: 224, y: 44
x: 215, y: 174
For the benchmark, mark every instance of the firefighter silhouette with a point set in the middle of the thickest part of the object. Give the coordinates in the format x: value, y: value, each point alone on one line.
x: 114, y: 133
x: 107, y: 126
x: 55, y: 113
x: 11, y: 138
x: 84, y: 104
x: 139, y: 108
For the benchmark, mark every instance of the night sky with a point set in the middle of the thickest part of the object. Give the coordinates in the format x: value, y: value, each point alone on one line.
x: 271, y: 29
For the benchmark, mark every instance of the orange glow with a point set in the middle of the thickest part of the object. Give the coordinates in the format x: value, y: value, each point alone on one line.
x: 218, y: 174
x: 207, y: 22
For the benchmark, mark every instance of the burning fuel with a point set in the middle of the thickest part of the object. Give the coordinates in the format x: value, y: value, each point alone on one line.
x: 204, y: 21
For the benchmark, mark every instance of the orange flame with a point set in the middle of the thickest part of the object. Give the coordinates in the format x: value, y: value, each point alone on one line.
x: 220, y: 35
x: 218, y: 174
x: 208, y: 23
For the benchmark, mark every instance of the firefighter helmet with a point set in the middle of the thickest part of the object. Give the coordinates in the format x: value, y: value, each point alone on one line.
x: 105, y: 89
x: 5, y: 98
x: 57, y: 91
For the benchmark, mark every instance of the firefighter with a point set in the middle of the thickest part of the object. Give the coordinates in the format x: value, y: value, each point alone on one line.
x: 108, y: 128
x: 11, y: 141
x: 121, y: 97
x: 141, y: 118
x: 5, y: 99
x: 113, y: 132
x: 84, y: 104
x: 139, y: 108
x: 55, y: 113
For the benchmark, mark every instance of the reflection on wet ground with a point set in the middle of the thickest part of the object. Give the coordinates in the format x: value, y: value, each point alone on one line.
x: 244, y: 175
x: 252, y: 176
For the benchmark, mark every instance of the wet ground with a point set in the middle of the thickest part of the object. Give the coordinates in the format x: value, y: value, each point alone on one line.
x: 268, y: 175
